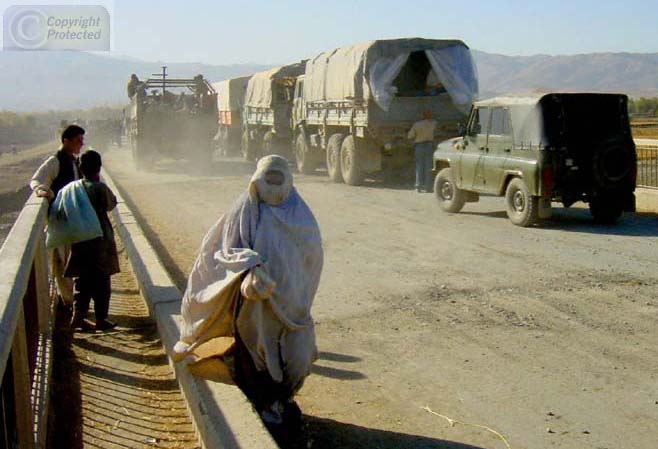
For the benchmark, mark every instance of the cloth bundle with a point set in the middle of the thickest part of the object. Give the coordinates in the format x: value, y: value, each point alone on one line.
x: 72, y: 217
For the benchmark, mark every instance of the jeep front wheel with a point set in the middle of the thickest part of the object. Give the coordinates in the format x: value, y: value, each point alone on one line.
x: 451, y: 199
x: 522, y: 208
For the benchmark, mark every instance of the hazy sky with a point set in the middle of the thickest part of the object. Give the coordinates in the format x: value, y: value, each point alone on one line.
x: 222, y: 32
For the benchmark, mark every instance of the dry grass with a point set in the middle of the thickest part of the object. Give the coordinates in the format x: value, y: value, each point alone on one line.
x: 645, y: 127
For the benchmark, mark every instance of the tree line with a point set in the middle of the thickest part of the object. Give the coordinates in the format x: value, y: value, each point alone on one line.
x: 33, y: 128
x: 643, y: 106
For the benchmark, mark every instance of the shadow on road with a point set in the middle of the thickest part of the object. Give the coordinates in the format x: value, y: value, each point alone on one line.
x: 326, y: 433
x: 580, y: 220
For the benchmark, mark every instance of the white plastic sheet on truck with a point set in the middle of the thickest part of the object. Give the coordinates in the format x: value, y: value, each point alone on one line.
x: 455, y: 69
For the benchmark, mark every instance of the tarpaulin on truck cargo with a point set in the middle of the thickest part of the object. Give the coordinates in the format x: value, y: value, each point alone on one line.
x: 259, y: 87
x: 230, y: 93
x: 367, y: 70
x: 455, y: 69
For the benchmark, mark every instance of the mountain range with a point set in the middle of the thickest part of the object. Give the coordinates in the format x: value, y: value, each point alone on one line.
x: 37, y: 81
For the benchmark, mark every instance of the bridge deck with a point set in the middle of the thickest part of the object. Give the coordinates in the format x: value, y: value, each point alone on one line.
x: 115, y: 389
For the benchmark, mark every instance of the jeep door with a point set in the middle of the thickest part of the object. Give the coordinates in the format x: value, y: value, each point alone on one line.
x: 475, y: 142
x: 498, y: 149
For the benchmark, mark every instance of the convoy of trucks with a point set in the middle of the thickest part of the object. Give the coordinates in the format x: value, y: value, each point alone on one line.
x: 348, y: 109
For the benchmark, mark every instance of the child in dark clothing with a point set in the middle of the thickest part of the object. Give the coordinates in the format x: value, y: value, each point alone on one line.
x: 92, y: 262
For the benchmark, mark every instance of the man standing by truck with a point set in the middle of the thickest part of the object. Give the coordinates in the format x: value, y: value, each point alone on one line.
x: 422, y: 133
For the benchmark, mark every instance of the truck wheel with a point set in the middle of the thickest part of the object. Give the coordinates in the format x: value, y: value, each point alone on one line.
x: 605, y: 210
x: 333, y: 157
x: 451, y: 199
x: 303, y: 157
x: 248, y: 149
x: 522, y: 208
x: 349, y: 162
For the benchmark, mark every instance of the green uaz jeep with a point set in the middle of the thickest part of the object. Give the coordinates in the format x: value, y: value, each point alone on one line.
x: 535, y: 150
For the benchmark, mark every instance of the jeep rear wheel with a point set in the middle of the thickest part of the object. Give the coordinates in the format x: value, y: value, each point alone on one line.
x: 451, y: 199
x: 522, y: 208
x: 349, y: 162
x: 605, y: 210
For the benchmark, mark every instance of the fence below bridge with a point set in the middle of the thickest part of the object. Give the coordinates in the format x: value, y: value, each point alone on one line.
x: 647, y: 166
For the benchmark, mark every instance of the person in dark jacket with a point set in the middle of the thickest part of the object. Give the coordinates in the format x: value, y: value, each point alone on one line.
x: 56, y: 172
x: 93, y: 262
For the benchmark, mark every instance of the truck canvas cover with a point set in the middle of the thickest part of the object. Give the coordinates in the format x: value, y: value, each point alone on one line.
x: 367, y: 70
x: 230, y: 93
x: 259, y: 88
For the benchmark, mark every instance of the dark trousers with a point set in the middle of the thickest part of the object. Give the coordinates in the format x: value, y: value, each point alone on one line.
x: 257, y: 385
x: 96, y: 286
x: 423, y: 152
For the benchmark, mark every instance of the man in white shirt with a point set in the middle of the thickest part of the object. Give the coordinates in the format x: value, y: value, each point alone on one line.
x: 422, y: 133
x: 57, y: 171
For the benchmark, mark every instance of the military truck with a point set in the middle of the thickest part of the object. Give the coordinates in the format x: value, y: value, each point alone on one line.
x: 172, y: 117
x: 543, y: 148
x: 355, y: 105
x: 230, y: 99
x: 266, y: 127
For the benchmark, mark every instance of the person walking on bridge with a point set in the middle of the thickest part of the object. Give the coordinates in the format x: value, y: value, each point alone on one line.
x: 93, y: 262
x: 56, y: 172
x: 255, y: 280
x: 422, y: 133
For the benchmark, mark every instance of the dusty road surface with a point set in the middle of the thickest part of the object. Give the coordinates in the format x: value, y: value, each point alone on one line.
x: 546, y: 335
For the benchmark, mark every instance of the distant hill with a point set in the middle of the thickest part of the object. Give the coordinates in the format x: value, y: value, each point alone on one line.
x: 634, y: 74
x: 32, y: 81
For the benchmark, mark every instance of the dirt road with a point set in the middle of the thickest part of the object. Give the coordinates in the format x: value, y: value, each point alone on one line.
x: 15, y: 173
x: 545, y: 335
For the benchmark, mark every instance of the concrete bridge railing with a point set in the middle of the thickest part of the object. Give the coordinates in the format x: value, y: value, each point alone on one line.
x: 27, y: 310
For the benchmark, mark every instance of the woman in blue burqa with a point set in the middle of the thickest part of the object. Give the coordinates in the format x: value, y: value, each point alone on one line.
x: 255, y: 279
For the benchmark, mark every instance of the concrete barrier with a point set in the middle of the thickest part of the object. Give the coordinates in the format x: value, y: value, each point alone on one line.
x: 223, y: 416
x: 646, y: 200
